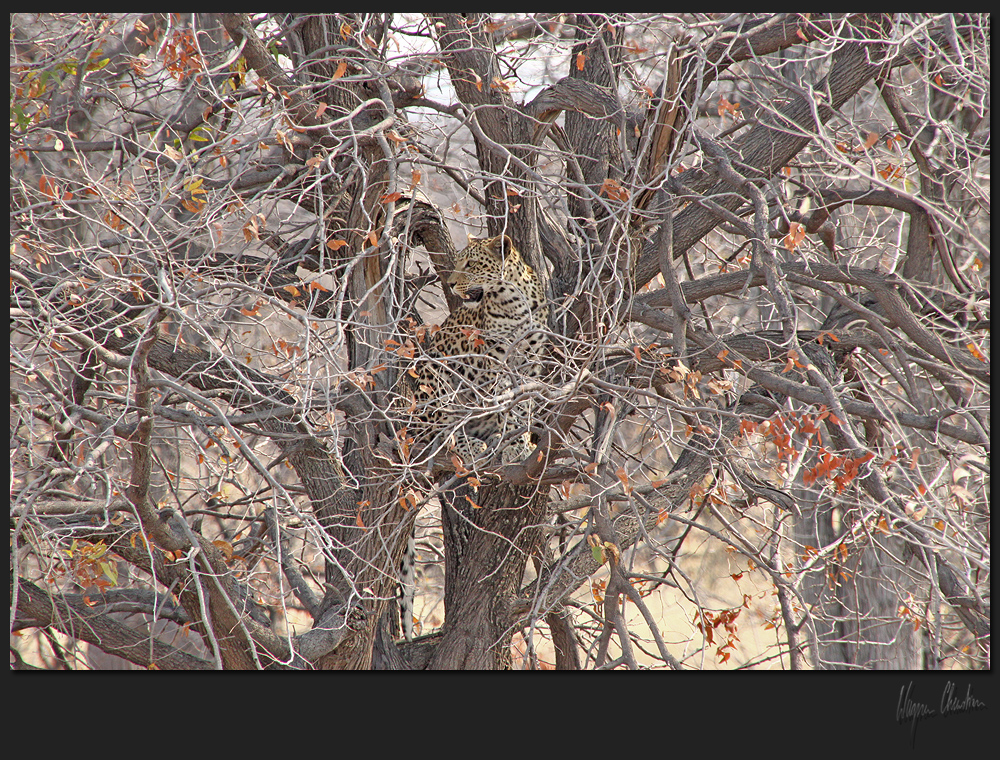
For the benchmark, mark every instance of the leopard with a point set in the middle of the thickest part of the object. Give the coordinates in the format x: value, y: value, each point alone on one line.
x: 499, y: 326
x: 486, y: 260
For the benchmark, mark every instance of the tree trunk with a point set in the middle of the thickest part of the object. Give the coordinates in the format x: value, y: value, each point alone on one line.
x: 489, y: 537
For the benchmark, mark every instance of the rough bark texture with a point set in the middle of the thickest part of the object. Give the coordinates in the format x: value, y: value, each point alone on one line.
x: 328, y: 136
x: 487, y: 544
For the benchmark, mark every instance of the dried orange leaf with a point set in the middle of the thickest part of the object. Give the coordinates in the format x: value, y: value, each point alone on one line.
x: 796, y: 233
x: 869, y: 142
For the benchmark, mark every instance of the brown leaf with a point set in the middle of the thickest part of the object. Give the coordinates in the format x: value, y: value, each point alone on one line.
x: 796, y: 234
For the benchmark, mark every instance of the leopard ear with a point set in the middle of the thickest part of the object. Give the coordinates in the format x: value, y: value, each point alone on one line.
x: 501, y: 244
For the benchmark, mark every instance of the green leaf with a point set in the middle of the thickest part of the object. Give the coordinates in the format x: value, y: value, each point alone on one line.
x: 110, y: 570
x: 18, y: 116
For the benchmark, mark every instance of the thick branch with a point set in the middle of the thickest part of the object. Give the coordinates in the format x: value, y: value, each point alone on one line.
x: 773, y: 142
x: 76, y: 619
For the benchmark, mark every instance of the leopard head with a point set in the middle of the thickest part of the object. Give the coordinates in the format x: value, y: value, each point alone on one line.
x: 480, y: 265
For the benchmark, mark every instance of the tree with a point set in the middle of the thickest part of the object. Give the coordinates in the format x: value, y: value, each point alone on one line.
x: 764, y: 241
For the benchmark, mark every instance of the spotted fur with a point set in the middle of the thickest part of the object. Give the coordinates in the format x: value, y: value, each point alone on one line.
x: 494, y: 335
